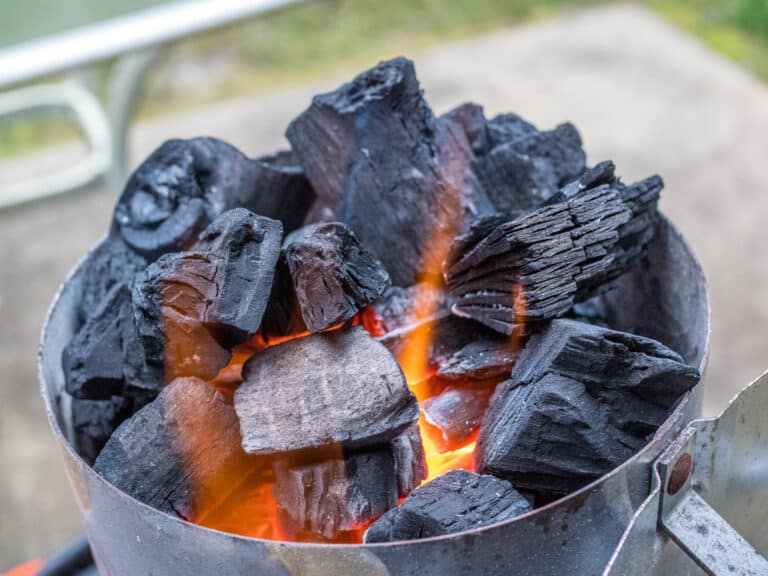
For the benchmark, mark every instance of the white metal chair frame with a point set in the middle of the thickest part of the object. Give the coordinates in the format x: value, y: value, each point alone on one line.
x: 135, y: 40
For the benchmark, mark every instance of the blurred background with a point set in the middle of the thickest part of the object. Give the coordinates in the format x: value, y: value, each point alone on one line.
x: 675, y: 87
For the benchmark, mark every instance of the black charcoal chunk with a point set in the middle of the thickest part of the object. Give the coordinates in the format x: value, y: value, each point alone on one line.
x: 536, y: 266
x: 470, y: 118
x: 106, y: 357
x: 580, y: 401
x: 180, y: 454
x: 323, y: 498
x: 456, y: 501
x: 457, y: 413
x: 481, y: 359
x: 410, y: 460
x: 333, y: 387
x: 508, y: 127
x: 190, y: 307
x: 178, y: 191
x: 110, y: 264
x: 369, y: 150
x: 93, y: 422
x: 332, y: 275
x: 400, y: 307
x: 281, y: 191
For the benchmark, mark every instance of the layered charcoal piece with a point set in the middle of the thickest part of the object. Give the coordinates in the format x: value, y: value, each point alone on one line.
x: 180, y: 454
x: 455, y: 414
x: 190, y: 307
x: 330, y: 277
x: 534, y: 267
x: 379, y: 167
x: 337, y: 387
x: 581, y: 400
x: 454, y: 502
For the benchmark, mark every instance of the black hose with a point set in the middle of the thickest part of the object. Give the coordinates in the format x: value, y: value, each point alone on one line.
x: 74, y: 558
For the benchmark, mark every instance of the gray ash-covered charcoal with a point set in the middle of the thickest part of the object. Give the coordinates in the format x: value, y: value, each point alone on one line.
x: 325, y: 496
x: 105, y: 358
x: 281, y: 190
x: 192, y: 306
x: 332, y: 275
x: 482, y: 359
x: 180, y: 454
x: 456, y: 501
x: 93, y: 422
x: 111, y: 263
x: 457, y: 413
x: 536, y: 266
x: 369, y: 150
x: 178, y: 191
x: 339, y: 386
x: 410, y: 460
x: 580, y: 401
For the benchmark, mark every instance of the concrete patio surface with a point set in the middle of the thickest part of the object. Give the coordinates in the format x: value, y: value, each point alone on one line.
x: 641, y: 92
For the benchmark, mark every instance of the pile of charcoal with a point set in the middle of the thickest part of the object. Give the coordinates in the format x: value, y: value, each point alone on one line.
x: 246, y: 320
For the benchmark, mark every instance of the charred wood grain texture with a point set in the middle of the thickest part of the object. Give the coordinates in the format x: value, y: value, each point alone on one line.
x: 410, y: 460
x: 333, y: 387
x: 581, y: 400
x: 456, y: 501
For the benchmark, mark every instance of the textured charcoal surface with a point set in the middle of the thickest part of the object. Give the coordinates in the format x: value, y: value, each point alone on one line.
x: 281, y: 190
x: 410, y: 460
x: 457, y: 413
x: 536, y: 266
x: 181, y: 453
x: 93, y: 422
x: 380, y: 166
x: 456, y: 501
x: 580, y: 401
x: 334, y: 387
x: 400, y: 307
x: 106, y: 356
x: 178, y: 190
x: 111, y: 263
x: 486, y: 358
x: 332, y: 275
x: 323, y: 498
x: 191, y: 306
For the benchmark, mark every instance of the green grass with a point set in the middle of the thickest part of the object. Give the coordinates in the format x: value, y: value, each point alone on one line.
x: 310, y: 41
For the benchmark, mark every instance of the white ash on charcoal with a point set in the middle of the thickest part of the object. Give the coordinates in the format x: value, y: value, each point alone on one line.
x: 580, y: 401
x: 281, y: 191
x: 110, y: 264
x: 178, y: 191
x: 331, y: 278
x: 456, y: 501
x: 380, y: 168
x: 334, y: 494
x: 410, y: 460
x: 534, y: 267
x: 457, y: 413
x: 106, y: 357
x: 336, y: 387
x: 190, y: 307
x: 181, y: 453
x: 94, y: 421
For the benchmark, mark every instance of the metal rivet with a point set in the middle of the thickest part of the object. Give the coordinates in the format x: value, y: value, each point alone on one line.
x: 680, y: 473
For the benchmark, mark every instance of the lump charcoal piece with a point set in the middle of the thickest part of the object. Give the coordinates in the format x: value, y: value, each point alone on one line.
x: 105, y: 358
x: 333, y: 276
x: 111, y: 263
x: 456, y: 501
x: 472, y: 121
x: 457, y: 413
x: 581, y: 400
x: 321, y: 499
x: 485, y: 359
x: 369, y: 149
x: 281, y: 190
x: 560, y: 147
x: 601, y: 173
x: 508, y: 127
x: 93, y: 422
x: 333, y: 387
x: 178, y: 191
x: 246, y: 247
x: 530, y: 268
x: 410, y: 460
x: 180, y: 454
x: 400, y: 307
